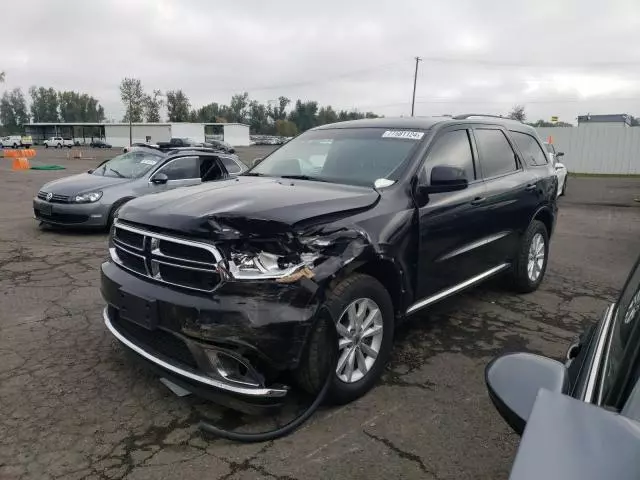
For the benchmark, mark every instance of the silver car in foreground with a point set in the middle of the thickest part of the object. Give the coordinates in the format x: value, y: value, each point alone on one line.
x: 92, y: 199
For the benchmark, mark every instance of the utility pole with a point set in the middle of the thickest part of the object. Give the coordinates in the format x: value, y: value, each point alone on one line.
x: 130, y: 124
x: 415, y: 79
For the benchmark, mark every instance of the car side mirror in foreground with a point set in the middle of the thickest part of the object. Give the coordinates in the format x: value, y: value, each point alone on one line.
x: 445, y: 178
x: 514, y: 379
x: 559, y: 154
x: 160, y: 178
x: 232, y: 150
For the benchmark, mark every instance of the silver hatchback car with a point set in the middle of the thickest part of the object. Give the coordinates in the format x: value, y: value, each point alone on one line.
x: 92, y: 199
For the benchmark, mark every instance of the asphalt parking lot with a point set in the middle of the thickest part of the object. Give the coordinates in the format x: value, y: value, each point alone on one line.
x: 73, y: 406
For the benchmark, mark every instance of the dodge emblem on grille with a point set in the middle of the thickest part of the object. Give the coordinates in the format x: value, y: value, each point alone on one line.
x: 49, y: 196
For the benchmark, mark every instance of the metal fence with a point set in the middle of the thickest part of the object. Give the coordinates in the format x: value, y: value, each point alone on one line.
x: 597, y: 149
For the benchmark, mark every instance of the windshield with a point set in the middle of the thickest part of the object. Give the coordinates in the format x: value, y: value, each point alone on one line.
x: 353, y: 156
x: 132, y: 164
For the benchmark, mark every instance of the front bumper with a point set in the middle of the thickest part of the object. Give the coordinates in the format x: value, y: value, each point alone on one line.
x: 248, y: 323
x: 71, y: 214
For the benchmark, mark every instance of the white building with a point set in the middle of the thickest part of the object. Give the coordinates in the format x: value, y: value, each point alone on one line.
x: 117, y: 134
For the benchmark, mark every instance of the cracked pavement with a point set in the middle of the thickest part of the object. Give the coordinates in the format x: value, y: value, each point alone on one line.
x: 73, y: 406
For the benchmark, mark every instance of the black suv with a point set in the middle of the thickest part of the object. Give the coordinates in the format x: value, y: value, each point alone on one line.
x: 227, y: 288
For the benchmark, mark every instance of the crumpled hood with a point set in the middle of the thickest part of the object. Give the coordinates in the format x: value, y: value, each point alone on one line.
x: 246, y: 205
x: 81, y: 183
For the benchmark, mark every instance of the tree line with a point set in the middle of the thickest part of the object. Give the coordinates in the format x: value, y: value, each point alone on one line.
x: 263, y: 118
x: 47, y: 105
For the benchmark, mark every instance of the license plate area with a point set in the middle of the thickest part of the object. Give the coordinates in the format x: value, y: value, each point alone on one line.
x: 141, y: 311
x: 45, y: 209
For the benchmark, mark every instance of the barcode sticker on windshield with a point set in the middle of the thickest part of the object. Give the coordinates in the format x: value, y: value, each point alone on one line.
x: 403, y: 134
x: 146, y: 161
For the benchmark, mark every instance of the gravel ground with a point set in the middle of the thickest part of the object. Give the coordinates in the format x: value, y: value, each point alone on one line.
x: 73, y: 406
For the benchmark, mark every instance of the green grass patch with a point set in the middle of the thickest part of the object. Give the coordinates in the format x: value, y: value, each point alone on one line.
x: 604, y: 175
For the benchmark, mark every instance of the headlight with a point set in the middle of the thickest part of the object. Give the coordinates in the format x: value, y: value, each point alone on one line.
x: 88, y: 197
x: 265, y: 266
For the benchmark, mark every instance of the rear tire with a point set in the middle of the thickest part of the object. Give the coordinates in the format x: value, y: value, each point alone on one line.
x: 530, y: 264
x: 46, y: 145
x: 363, y: 349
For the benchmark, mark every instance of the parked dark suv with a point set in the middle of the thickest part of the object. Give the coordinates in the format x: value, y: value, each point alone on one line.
x: 224, y: 287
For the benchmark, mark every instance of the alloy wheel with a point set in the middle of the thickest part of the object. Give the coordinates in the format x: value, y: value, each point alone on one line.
x: 360, y: 329
x: 536, y: 257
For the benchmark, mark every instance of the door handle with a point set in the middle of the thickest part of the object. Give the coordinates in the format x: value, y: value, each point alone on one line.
x: 530, y: 187
x: 478, y: 200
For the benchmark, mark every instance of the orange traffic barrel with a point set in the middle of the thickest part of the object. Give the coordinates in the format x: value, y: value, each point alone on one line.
x: 20, y: 163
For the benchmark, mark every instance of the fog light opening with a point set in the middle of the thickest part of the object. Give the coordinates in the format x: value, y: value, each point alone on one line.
x: 233, y: 369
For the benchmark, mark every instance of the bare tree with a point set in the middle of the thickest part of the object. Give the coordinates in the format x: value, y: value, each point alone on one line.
x: 517, y: 113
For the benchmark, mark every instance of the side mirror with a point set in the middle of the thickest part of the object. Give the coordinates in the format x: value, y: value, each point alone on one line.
x: 559, y: 154
x: 160, y: 178
x: 232, y: 150
x: 445, y: 178
x: 256, y: 161
x: 514, y: 379
x: 90, y: 171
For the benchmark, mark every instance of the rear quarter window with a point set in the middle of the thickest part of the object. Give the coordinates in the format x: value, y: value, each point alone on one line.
x: 531, y: 150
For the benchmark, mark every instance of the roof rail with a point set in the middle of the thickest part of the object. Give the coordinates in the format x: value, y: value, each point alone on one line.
x: 195, y: 149
x: 464, y: 116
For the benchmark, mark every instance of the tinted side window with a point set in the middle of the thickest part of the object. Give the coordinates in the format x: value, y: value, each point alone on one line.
x: 452, y: 149
x: 623, y: 340
x: 530, y: 149
x: 209, y: 169
x: 231, y: 166
x: 182, y: 168
x: 496, y: 155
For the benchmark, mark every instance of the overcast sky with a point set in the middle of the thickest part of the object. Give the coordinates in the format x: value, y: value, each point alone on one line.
x: 557, y: 57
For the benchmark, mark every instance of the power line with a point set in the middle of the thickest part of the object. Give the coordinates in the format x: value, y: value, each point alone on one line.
x: 507, y: 63
x: 314, y: 81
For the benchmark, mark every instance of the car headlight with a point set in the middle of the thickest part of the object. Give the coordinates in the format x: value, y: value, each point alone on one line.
x: 266, y: 266
x: 88, y: 197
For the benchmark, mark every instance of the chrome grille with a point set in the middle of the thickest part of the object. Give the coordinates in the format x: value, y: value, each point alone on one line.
x: 166, y: 259
x: 55, y: 198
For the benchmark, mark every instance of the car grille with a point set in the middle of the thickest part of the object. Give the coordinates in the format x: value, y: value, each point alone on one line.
x: 61, y: 217
x: 158, y: 340
x: 55, y: 197
x: 166, y: 259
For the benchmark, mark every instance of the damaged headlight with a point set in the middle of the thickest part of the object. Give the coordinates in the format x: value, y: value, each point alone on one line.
x: 264, y: 266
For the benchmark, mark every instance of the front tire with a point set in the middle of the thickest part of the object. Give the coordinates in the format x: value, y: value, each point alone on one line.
x: 530, y: 264
x: 46, y: 145
x: 113, y: 212
x: 363, y: 310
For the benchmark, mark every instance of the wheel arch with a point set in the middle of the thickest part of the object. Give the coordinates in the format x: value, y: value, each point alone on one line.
x: 544, y: 215
x: 385, y: 271
x: 117, y: 204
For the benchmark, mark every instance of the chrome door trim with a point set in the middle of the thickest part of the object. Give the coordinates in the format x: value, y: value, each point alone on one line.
x: 472, y: 246
x: 456, y: 288
x: 594, y: 367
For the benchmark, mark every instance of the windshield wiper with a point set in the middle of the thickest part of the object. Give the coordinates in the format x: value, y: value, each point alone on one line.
x: 253, y: 174
x: 303, y: 177
x: 117, y: 172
